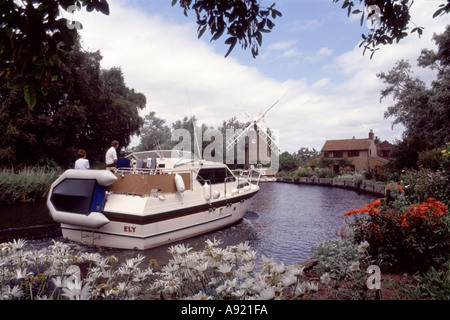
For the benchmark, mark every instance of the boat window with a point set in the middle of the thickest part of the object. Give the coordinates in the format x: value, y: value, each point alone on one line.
x: 215, y: 175
x: 74, y: 195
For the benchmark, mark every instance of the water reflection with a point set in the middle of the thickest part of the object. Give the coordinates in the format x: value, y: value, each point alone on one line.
x: 284, y: 222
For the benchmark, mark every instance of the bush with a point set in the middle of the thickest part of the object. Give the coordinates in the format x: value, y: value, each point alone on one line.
x: 341, y: 265
x: 422, y: 184
x: 407, y: 237
x: 304, y: 172
x: 434, y: 284
x: 381, y: 173
x: 29, y: 184
x: 324, y: 173
x: 430, y: 159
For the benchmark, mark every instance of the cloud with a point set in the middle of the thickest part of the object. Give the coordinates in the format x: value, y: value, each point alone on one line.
x: 183, y: 76
x: 282, y: 45
x: 305, y: 25
x: 325, y: 52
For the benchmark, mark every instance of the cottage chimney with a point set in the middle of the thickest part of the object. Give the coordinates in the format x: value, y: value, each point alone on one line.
x: 371, y: 135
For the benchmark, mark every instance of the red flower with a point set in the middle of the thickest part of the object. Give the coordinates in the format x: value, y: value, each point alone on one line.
x: 431, y: 211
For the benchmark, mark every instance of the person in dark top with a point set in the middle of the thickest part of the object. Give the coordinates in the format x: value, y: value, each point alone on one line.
x: 123, y: 161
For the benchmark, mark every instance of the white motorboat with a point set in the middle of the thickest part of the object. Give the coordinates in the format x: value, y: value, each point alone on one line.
x: 258, y: 174
x: 144, y: 206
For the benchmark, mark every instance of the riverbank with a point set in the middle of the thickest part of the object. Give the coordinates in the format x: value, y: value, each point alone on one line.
x: 372, y: 187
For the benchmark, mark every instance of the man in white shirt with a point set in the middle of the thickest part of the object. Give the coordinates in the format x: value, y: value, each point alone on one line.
x: 111, y: 155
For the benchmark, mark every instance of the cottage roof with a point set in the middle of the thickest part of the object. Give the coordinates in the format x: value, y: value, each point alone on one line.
x: 346, y: 144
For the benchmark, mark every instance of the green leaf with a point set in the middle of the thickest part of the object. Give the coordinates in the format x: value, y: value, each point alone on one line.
x: 16, y: 83
x: 438, y: 12
x: 103, y: 7
x: 232, y: 42
x: 201, y: 31
x: 260, y: 38
x: 218, y: 34
x: 174, y: 2
x: 277, y: 13
x: 30, y: 95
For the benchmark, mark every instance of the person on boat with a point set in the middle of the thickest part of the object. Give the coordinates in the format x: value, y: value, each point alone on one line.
x: 111, y: 155
x: 82, y: 163
x: 154, y: 167
x: 123, y: 161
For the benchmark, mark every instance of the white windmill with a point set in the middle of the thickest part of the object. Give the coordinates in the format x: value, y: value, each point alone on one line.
x: 261, y: 140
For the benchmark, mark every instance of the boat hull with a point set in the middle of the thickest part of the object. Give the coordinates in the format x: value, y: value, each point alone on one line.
x: 145, y: 232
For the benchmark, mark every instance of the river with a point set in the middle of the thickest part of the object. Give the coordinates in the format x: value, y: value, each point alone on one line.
x: 284, y: 221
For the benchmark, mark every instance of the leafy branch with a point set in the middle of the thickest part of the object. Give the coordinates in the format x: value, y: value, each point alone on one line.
x: 392, y: 19
x: 244, y: 21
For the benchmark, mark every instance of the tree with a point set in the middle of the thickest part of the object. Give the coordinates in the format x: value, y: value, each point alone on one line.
x: 425, y: 112
x: 305, y: 154
x: 34, y: 38
x: 440, y: 98
x: 155, y: 134
x: 406, y: 153
x: 119, y: 109
x: 86, y: 108
x: 289, y: 162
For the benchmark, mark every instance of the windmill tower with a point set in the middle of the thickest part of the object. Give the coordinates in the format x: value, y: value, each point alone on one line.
x: 262, y: 146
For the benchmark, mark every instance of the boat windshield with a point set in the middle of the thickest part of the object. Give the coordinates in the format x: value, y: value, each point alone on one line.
x: 164, y: 154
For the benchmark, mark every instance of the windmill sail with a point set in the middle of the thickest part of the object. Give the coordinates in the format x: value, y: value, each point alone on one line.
x: 257, y: 124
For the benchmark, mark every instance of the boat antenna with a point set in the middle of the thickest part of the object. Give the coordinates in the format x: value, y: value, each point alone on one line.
x: 160, y: 153
x: 194, y: 128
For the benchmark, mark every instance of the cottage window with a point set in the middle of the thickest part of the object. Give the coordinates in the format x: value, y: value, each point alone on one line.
x: 353, y: 153
x: 334, y: 154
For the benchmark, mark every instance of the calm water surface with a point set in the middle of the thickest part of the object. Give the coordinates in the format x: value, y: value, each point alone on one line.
x: 283, y: 222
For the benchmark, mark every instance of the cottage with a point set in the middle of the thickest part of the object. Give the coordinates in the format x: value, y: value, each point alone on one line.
x: 355, y: 154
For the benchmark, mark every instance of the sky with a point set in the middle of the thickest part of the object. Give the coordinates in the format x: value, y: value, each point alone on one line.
x: 310, y: 63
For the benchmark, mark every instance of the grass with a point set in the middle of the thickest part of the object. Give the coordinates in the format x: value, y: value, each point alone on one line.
x: 26, y: 185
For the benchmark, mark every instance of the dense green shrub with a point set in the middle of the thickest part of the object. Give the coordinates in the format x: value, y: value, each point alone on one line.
x: 29, y: 184
x: 422, y: 184
x: 305, y: 172
x: 434, y: 284
x: 383, y: 173
x: 431, y: 180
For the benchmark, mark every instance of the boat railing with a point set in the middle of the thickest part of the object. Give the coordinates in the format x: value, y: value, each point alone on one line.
x: 225, y: 188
